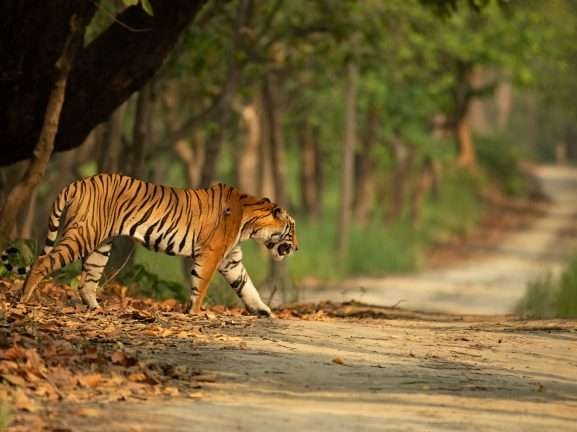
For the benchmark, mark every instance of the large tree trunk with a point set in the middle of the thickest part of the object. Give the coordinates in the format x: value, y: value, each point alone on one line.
x: 347, y: 160
x: 43, y: 150
x: 365, y: 183
x: 105, y: 73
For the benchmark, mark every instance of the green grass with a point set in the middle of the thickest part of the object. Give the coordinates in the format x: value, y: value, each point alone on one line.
x: 376, y: 250
x: 551, y: 297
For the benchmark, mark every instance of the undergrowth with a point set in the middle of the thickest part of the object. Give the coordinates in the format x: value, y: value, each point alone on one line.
x: 550, y: 296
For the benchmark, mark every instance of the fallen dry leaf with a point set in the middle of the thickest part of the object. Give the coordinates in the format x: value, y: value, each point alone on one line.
x: 15, y: 380
x: 90, y: 380
x: 338, y: 360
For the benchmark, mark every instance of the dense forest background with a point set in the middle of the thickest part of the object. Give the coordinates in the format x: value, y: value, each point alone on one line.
x: 380, y: 125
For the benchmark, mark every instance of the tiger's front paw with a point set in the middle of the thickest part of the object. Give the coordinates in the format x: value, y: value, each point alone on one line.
x: 262, y: 311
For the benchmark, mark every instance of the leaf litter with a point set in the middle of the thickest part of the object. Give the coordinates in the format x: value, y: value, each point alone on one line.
x: 60, y: 352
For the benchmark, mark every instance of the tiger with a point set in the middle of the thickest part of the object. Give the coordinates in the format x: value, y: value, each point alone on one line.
x: 206, y: 225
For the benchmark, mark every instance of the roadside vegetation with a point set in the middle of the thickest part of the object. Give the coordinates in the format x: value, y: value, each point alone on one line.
x: 551, y: 296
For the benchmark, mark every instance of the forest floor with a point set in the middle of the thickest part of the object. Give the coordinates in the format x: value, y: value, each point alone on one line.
x: 141, y: 365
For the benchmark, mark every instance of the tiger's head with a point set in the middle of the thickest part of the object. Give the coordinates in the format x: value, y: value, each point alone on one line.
x: 265, y: 221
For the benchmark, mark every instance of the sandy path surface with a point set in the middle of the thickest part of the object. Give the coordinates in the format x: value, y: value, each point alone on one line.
x: 491, y: 285
x: 364, y: 375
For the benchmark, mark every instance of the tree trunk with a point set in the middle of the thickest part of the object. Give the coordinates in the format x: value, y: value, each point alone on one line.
x: 133, y: 164
x: 106, y: 72
x: 275, y: 137
x: 310, y: 172
x: 192, y: 156
x: 212, y: 145
x: 504, y: 102
x: 461, y: 122
x: 347, y: 160
x: 365, y: 169
x: 28, y: 224
x: 43, y: 150
x: 424, y: 184
x: 478, y: 120
x: 248, y: 157
x: 466, y: 149
x: 109, y: 149
x: 265, y: 178
x: 141, y: 131
x: 399, y: 181
x: 278, y: 277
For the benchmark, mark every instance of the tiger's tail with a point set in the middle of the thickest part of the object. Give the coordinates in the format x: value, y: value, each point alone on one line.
x: 59, y: 205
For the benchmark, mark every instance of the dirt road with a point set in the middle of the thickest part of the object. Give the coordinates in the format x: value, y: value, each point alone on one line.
x: 361, y: 375
x: 378, y: 369
x: 489, y: 285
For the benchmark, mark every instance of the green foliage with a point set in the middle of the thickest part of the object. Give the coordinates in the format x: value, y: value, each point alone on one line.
x: 376, y: 250
x: 147, y: 284
x: 566, y: 299
x: 551, y: 297
x: 539, y: 300
x: 501, y: 160
x: 145, y: 4
x: 456, y: 210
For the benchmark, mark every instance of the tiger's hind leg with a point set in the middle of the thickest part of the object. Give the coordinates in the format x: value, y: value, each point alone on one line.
x: 66, y: 251
x: 92, y: 269
x: 233, y: 270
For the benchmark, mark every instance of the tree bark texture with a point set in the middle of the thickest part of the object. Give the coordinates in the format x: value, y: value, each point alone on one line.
x: 347, y: 159
x: 403, y: 156
x: 141, y: 131
x: 109, y: 149
x: 504, y: 103
x: 365, y: 183
x: 275, y: 138
x: 106, y: 72
x: 310, y: 172
x: 43, y: 149
x: 248, y: 157
x: 466, y: 157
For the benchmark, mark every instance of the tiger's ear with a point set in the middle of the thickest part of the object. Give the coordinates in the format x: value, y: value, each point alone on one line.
x: 266, y: 200
x: 276, y: 212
